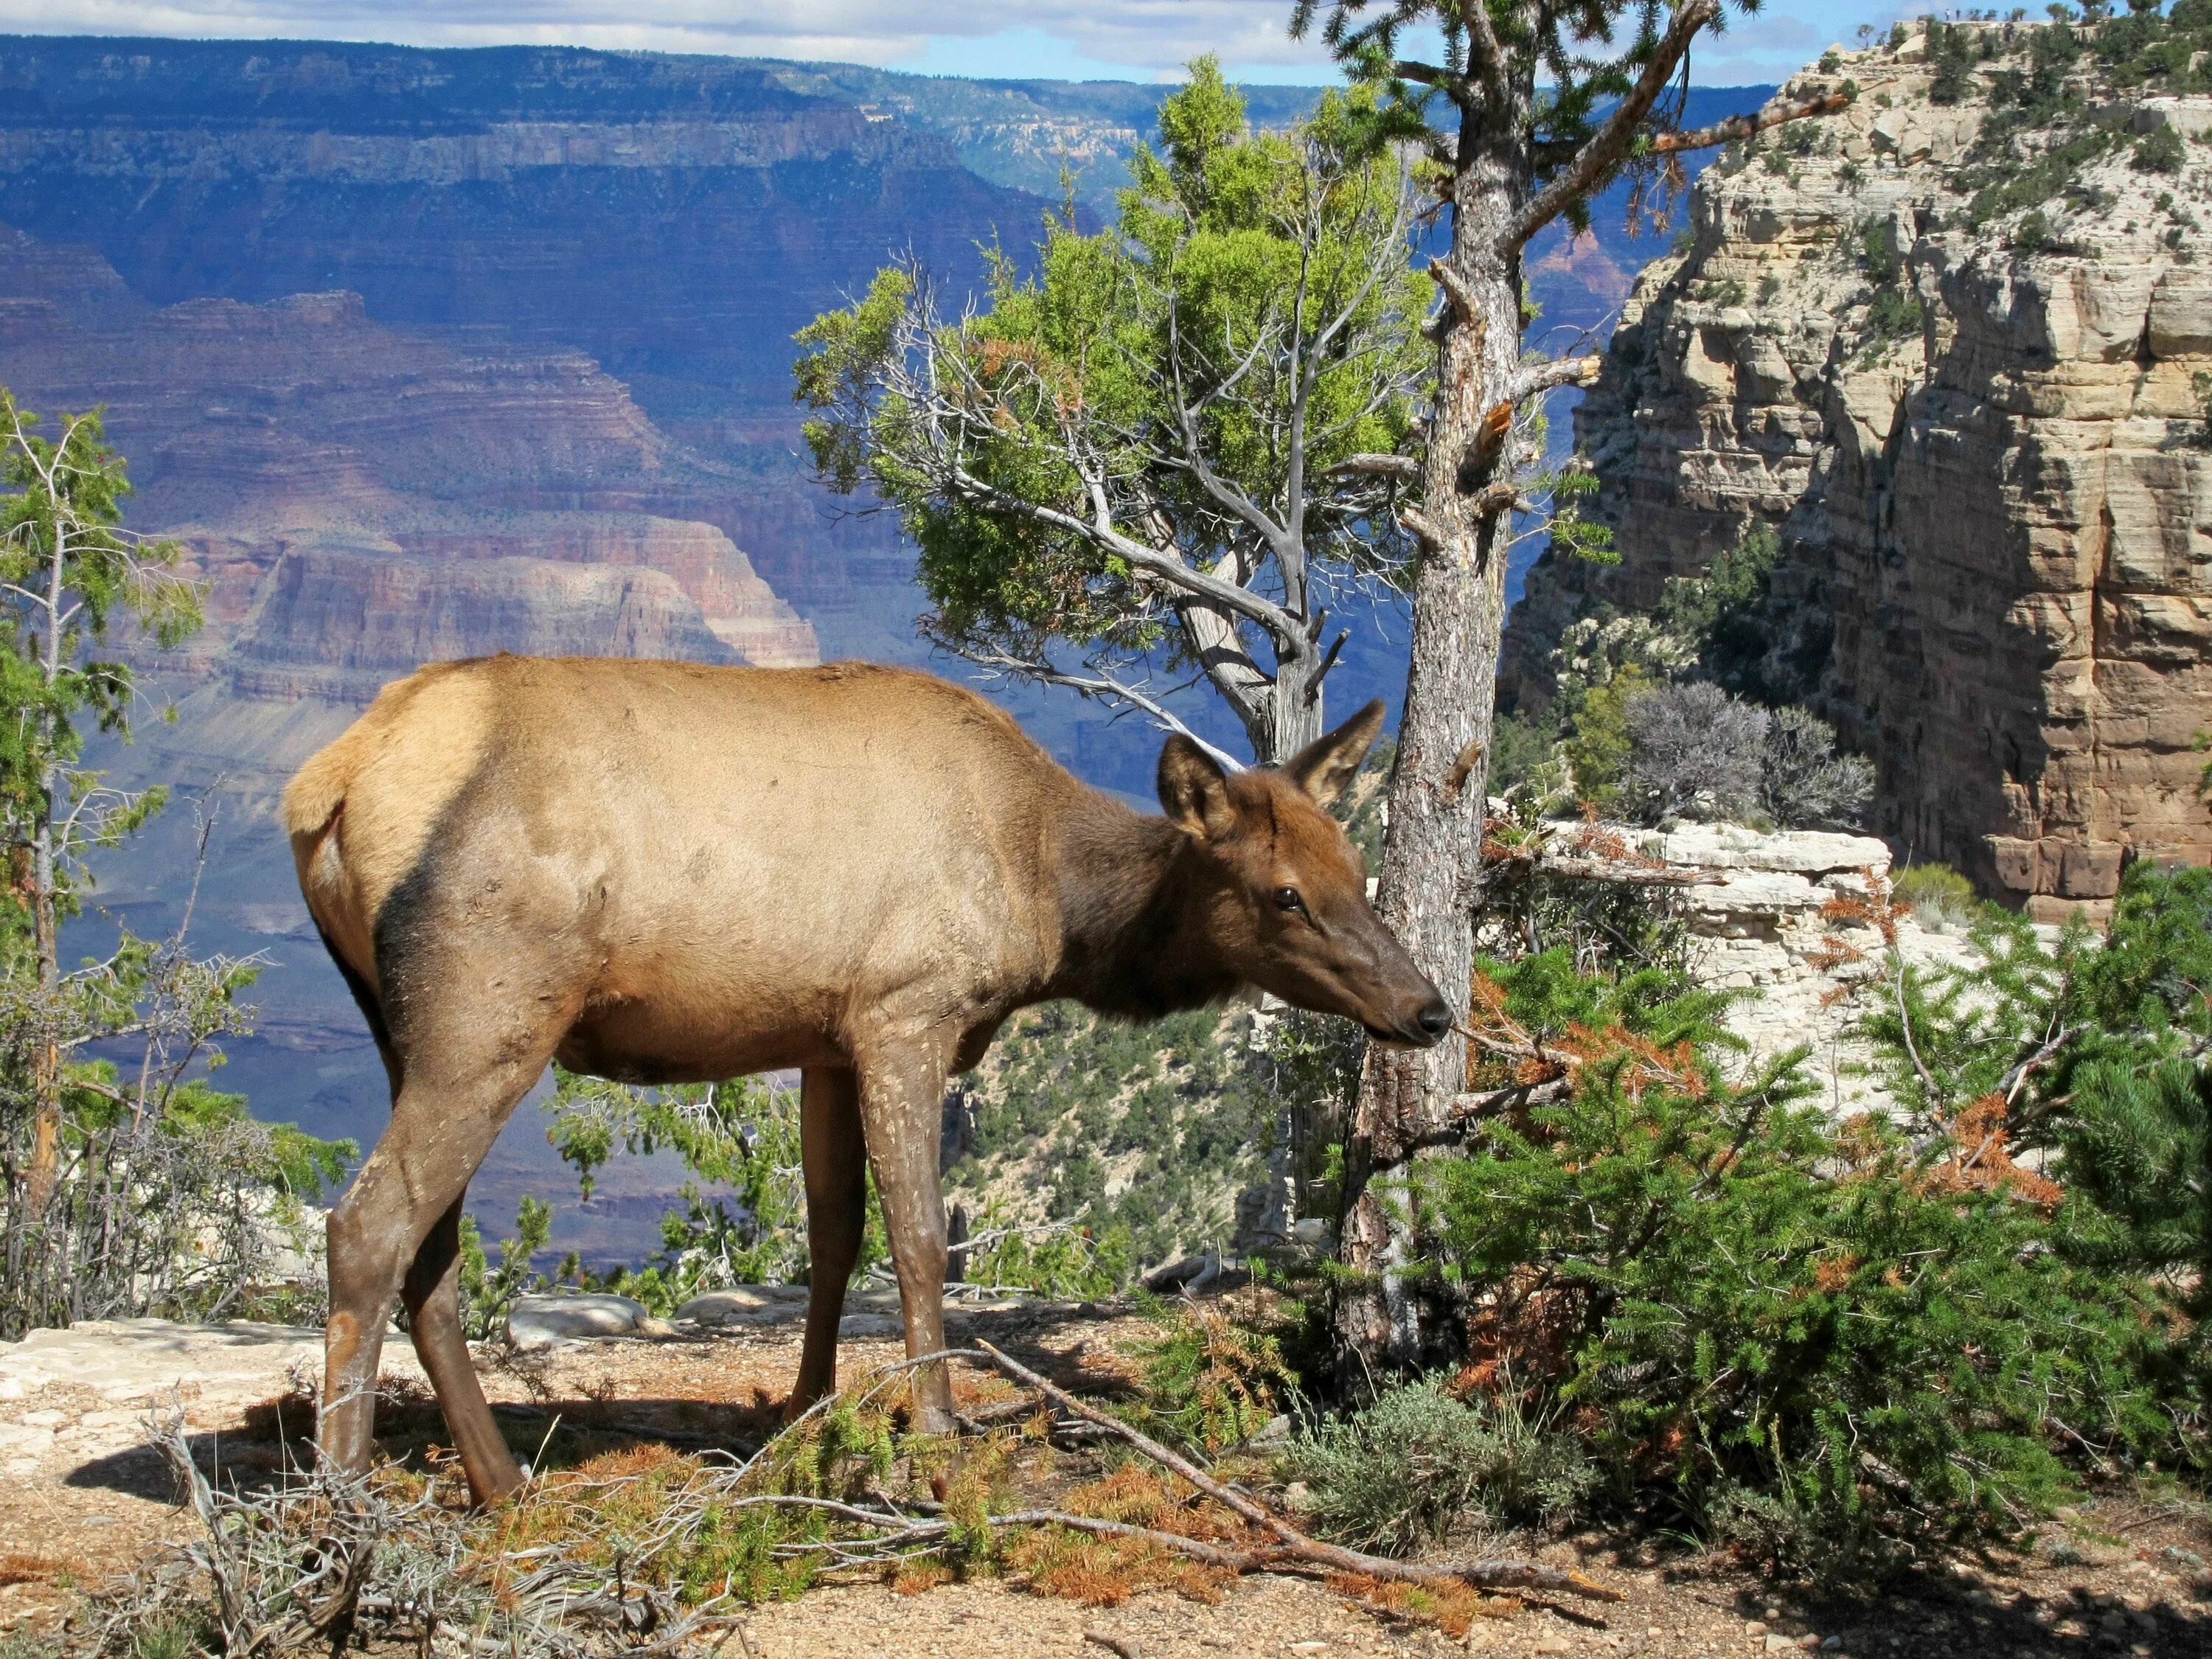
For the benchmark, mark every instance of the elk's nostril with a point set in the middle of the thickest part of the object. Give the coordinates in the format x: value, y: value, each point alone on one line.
x: 1434, y: 1020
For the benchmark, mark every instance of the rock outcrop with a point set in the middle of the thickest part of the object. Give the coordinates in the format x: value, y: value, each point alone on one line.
x: 1798, y: 922
x: 1976, y: 420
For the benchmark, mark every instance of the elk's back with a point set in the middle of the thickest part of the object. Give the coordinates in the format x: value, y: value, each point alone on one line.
x: 724, y: 844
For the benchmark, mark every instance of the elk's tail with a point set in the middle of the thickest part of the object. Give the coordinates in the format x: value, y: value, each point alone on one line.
x: 312, y: 799
x: 313, y: 813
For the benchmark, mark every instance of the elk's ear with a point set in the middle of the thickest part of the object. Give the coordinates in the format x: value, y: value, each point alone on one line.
x: 1193, y: 790
x: 1324, y: 769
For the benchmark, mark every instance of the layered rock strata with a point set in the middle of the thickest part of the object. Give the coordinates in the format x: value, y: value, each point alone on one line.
x: 1984, y: 441
x: 359, y: 500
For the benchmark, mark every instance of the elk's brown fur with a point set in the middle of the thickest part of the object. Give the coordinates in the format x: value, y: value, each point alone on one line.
x: 661, y: 872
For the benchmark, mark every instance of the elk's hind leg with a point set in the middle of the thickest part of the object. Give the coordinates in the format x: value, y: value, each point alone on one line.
x: 432, y: 1294
x: 835, y: 1160
x: 445, y: 1120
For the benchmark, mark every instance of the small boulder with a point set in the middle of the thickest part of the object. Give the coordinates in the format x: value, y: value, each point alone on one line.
x: 746, y: 1304
x: 546, y: 1321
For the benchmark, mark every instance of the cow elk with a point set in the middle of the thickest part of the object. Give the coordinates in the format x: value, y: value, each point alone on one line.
x: 663, y: 872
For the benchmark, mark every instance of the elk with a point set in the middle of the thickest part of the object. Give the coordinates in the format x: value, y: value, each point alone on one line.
x: 662, y: 873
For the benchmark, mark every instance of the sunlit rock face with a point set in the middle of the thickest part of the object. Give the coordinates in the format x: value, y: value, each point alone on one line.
x: 1994, y: 489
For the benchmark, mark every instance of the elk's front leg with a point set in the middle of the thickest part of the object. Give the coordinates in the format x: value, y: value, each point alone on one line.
x: 902, y: 1104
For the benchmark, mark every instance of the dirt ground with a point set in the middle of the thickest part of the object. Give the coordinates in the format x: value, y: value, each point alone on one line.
x: 82, y: 1497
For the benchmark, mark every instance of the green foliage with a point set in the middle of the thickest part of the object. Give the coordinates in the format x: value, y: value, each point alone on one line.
x: 1068, y: 1259
x: 2023, y: 1017
x: 2006, y: 186
x: 1895, y: 316
x: 2136, y: 1150
x: 1518, y: 747
x: 1570, y: 490
x: 1936, y: 894
x: 1179, y: 1108
x: 1716, y: 628
x: 1209, y: 1382
x: 1716, y: 617
x: 1952, y: 52
x: 741, y: 1138
x: 487, y: 1293
x: 128, y: 1187
x: 2159, y: 151
x: 183, y: 1636
x: 1879, y: 255
x: 1585, y: 60
x: 1598, y: 750
x: 1732, y: 1296
x: 1249, y: 320
x: 1420, y: 1461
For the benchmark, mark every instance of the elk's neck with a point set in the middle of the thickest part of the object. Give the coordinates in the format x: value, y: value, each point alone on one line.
x: 1132, y: 943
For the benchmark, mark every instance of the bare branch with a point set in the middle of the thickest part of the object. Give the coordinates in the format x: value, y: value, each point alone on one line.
x: 1380, y: 466
x: 1169, y: 568
x: 1423, y: 528
x: 1538, y: 378
x: 1455, y: 290
x: 1744, y: 126
x: 1294, y: 1545
x: 1456, y: 87
x: 1609, y: 145
x: 1102, y: 686
x: 1488, y: 55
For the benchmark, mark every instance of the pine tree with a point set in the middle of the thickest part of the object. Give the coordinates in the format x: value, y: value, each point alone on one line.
x: 1542, y: 104
x: 2136, y: 1143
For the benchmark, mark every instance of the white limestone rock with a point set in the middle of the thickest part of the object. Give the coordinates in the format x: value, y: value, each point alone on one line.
x: 547, y: 1321
x: 745, y: 1305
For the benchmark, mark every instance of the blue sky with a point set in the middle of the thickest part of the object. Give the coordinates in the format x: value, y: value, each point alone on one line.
x: 1078, y: 39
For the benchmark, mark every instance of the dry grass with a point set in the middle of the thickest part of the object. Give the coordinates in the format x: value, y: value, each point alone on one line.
x: 19, y: 1567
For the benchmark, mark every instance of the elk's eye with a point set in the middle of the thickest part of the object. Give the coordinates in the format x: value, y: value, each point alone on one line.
x: 1286, y: 898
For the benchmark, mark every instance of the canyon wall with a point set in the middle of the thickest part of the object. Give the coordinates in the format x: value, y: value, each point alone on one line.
x: 1982, y: 437
x: 297, y: 449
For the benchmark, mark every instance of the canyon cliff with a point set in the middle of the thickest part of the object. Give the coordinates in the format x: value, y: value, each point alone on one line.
x: 1952, y: 346
x: 356, y: 501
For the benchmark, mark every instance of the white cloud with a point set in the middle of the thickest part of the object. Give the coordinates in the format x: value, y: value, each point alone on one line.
x: 1140, y: 37
x: 1147, y: 36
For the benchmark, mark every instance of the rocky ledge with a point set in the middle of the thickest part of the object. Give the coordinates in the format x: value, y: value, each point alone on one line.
x: 1800, y: 923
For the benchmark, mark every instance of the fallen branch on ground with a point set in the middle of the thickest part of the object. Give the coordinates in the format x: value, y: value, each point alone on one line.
x: 1293, y: 1549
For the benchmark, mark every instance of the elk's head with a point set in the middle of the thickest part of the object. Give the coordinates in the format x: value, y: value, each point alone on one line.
x: 1283, y: 892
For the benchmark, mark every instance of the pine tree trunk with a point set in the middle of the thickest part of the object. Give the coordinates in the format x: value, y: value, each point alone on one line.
x: 1295, y: 711
x: 46, y: 1070
x: 1387, y: 1316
